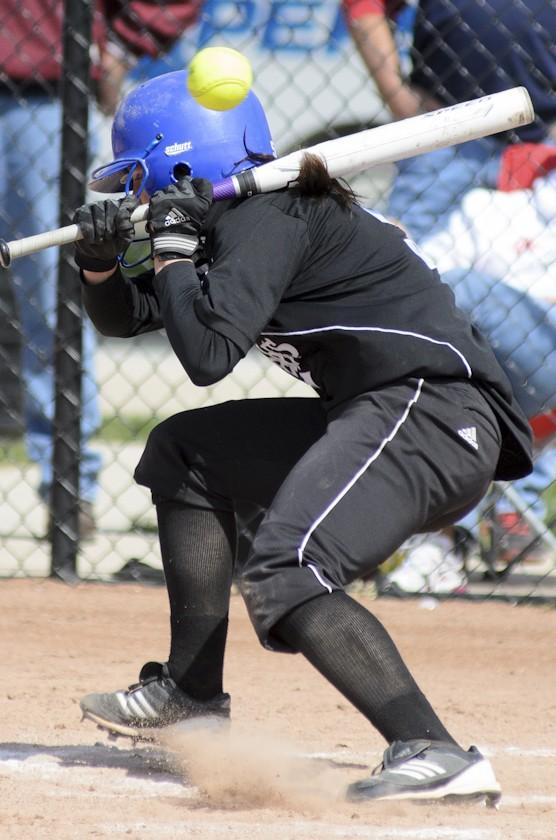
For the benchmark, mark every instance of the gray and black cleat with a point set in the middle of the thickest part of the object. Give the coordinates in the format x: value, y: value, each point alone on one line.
x: 429, y: 770
x: 152, y: 704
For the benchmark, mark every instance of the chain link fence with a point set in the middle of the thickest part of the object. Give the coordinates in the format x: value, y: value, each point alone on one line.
x: 314, y: 85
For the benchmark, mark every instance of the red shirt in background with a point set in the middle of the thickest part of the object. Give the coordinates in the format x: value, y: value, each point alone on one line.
x: 358, y: 8
x: 31, y: 32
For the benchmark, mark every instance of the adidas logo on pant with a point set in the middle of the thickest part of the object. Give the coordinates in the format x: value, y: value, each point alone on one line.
x: 469, y: 434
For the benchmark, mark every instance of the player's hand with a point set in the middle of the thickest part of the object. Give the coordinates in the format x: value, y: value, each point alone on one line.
x: 107, y: 230
x: 176, y: 217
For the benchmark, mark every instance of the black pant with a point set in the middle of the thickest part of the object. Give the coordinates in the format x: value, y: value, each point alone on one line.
x: 341, y: 491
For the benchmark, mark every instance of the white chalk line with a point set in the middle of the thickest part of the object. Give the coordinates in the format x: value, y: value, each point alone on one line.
x: 140, y: 774
x: 530, y: 799
x: 298, y: 828
x: 520, y: 752
x: 80, y: 779
x: 368, y: 758
x: 145, y: 772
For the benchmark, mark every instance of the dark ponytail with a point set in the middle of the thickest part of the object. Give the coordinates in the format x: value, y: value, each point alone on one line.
x: 314, y: 180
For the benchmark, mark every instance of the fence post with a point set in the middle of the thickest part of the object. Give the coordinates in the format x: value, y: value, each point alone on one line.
x: 75, y: 92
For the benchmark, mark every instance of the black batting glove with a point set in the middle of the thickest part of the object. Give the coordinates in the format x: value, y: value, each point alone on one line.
x: 107, y: 231
x: 176, y: 216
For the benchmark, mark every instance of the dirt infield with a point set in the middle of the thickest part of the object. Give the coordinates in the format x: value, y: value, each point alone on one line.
x: 294, y: 744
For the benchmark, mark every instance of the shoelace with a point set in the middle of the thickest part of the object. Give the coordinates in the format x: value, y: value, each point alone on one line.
x: 378, y: 769
x: 142, y: 683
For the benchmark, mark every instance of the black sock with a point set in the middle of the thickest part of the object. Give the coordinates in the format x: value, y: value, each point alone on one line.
x: 351, y: 648
x: 197, y: 548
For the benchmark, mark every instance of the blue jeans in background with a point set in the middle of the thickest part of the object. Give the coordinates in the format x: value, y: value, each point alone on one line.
x: 522, y: 333
x: 30, y: 175
x: 521, y: 330
x: 427, y: 187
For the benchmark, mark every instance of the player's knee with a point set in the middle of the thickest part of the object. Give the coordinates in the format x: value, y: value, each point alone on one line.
x: 271, y: 591
x: 266, y: 605
x: 164, y: 455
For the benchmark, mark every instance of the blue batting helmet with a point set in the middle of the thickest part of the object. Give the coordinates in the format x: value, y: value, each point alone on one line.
x: 160, y: 128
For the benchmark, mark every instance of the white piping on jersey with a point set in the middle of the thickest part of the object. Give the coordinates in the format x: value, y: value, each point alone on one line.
x: 356, y: 478
x: 382, y: 330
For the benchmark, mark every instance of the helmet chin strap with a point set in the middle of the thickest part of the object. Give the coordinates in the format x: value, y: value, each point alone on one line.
x: 142, y: 162
x: 122, y: 257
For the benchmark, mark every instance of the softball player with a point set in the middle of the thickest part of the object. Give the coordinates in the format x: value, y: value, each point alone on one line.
x: 413, y: 419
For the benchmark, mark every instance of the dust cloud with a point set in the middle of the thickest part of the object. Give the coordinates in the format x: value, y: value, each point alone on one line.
x: 252, y: 769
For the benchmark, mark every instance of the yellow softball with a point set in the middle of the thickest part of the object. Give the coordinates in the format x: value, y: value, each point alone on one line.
x: 219, y: 78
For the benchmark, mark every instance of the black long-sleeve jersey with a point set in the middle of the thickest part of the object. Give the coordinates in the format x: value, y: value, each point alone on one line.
x: 338, y: 298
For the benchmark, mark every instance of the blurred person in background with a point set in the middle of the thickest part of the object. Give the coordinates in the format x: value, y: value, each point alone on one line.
x: 423, y: 55
x: 30, y: 145
x: 498, y: 253
x: 451, y: 51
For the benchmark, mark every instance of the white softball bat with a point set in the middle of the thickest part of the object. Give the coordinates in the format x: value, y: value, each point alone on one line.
x: 344, y: 156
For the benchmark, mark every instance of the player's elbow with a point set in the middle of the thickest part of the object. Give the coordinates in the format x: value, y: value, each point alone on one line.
x: 115, y: 330
x: 109, y: 321
x: 211, y: 361
x: 203, y: 377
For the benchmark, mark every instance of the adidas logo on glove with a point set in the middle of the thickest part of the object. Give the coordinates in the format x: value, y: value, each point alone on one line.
x: 174, y: 217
